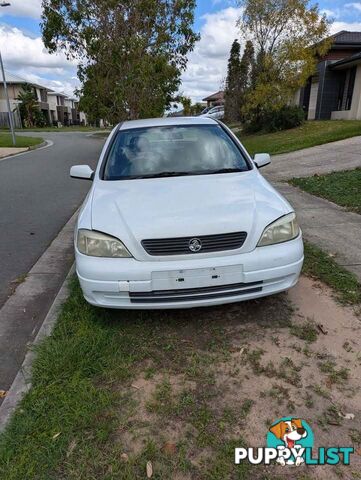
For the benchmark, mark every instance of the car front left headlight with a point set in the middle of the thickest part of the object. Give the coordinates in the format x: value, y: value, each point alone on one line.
x: 284, y: 229
x: 97, y: 244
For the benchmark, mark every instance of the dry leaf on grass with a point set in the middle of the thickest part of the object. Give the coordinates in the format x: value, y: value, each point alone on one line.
x: 149, y: 469
x: 56, y: 435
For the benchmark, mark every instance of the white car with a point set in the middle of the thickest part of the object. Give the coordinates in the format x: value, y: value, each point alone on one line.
x: 178, y: 215
x: 216, y: 112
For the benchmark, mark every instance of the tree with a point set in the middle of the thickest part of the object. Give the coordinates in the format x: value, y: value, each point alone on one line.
x: 247, y: 68
x: 187, y: 105
x: 233, y: 91
x: 288, y: 35
x: 29, y: 105
x: 130, y: 53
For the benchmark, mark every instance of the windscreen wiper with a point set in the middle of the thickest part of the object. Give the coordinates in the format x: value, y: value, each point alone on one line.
x: 163, y: 174
x: 227, y: 170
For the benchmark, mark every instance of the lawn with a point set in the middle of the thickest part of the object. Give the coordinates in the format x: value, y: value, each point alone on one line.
x: 6, y: 141
x: 343, y: 188
x: 308, y: 135
x: 113, y: 391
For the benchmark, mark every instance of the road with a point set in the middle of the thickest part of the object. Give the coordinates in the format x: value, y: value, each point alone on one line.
x: 37, y: 197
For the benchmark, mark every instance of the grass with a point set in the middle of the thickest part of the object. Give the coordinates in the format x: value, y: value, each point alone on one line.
x: 344, y: 283
x: 306, y: 331
x: 310, y: 134
x: 6, y: 141
x: 74, y: 421
x: 343, y: 188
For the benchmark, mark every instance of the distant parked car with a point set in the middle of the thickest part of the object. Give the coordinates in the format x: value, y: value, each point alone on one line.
x: 179, y: 216
x: 206, y: 110
x: 216, y: 112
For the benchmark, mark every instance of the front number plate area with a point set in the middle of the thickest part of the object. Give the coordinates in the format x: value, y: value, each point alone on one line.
x: 197, y: 278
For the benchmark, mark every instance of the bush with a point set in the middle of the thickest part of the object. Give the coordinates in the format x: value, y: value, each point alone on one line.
x: 288, y: 116
x: 39, y: 119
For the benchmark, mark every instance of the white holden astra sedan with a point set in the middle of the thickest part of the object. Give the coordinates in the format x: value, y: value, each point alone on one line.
x: 178, y: 216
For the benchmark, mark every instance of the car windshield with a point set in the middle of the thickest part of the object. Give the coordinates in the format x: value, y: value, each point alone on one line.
x: 173, y: 151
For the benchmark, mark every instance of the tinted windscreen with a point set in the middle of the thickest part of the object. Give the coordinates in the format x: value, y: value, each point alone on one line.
x: 171, y: 151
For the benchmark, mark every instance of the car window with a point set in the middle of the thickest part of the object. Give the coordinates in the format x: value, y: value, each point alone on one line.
x: 172, y: 150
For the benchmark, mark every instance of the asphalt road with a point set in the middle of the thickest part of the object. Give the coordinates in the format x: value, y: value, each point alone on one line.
x: 37, y: 197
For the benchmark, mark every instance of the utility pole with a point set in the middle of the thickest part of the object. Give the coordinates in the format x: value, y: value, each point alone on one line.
x: 11, y: 122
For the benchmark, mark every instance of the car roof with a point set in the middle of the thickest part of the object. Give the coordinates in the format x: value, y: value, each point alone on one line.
x: 168, y: 121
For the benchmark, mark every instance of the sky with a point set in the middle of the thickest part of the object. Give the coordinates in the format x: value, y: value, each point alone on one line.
x: 25, y: 55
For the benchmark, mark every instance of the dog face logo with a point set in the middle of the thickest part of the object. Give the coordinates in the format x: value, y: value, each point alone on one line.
x: 290, y: 434
x: 289, y: 431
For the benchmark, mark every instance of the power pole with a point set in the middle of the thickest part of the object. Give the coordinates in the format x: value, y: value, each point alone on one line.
x: 11, y: 122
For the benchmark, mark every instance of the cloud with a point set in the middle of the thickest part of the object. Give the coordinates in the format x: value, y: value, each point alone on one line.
x: 355, y: 5
x: 27, y: 56
x: 23, y: 8
x: 351, y: 27
x: 207, y: 64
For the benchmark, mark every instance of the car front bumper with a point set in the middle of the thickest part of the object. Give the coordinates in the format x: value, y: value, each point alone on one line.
x: 195, y: 282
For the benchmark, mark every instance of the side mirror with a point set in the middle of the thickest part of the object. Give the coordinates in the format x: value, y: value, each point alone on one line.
x: 262, y: 159
x: 82, y: 171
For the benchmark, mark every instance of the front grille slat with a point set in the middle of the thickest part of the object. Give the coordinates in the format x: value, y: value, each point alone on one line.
x: 180, y: 245
x: 185, y: 298
x: 196, y: 290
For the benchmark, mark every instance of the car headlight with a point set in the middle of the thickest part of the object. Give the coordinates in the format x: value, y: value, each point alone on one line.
x: 284, y: 229
x: 97, y: 244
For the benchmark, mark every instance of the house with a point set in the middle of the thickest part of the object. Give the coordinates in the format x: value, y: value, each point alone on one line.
x: 14, y: 85
x: 57, y: 108
x: 215, y: 99
x: 334, y: 91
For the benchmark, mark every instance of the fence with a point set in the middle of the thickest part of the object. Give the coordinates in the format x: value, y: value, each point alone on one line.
x: 4, y: 119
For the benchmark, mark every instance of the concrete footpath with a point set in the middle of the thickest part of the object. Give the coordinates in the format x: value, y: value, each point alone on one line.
x: 323, y: 223
x: 6, y: 152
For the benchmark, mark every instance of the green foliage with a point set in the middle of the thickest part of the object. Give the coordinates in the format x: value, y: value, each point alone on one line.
x: 272, y: 120
x: 187, y: 105
x: 233, y: 89
x: 131, y: 54
x: 39, y: 119
x: 240, y: 80
x: 288, y: 37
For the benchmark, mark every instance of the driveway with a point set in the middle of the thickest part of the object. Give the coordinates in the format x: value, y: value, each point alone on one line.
x: 331, y: 157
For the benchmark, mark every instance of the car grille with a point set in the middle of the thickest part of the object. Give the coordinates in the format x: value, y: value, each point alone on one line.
x: 180, y: 245
x: 189, y: 294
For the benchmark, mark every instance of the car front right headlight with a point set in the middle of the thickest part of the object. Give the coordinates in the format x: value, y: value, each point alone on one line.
x: 97, y: 244
x: 284, y: 229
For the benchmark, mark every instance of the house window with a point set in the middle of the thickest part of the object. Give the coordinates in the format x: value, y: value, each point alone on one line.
x: 43, y: 96
x: 351, y: 85
x: 346, y: 89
